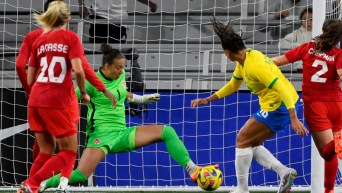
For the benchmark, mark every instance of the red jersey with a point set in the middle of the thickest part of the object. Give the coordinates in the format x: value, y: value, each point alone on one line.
x: 51, y: 55
x: 25, y: 52
x: 320, y: 79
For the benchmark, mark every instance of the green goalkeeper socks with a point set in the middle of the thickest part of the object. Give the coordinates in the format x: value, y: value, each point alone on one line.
x: 75, y: 177
x: 175, y: 146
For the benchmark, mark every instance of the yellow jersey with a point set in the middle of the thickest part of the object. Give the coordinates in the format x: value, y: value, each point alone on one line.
x: 260, y: 74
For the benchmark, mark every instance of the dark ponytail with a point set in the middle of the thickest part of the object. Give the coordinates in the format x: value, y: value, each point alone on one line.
x: 229, y: 39
x: 332, y: 35
x: 110, y: 54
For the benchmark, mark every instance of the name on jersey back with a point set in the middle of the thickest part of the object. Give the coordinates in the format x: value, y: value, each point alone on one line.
x: 52, y: 47
x: 322, y: 55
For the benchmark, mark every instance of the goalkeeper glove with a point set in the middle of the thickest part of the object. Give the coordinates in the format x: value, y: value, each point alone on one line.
x: 144, y: 99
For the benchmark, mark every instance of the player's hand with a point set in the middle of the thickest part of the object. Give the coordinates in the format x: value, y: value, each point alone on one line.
x: 153, y: 7
x: 83, y: 11
x: 111, y: 97
x: 85, y: 99
x: 199, y: 101
x: 299, y: 128
x: 150, y: 98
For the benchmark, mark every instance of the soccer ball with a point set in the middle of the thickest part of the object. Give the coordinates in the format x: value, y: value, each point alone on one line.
x: 209, y: 178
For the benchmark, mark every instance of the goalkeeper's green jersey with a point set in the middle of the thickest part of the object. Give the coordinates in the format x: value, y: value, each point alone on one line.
x: 101, y: 116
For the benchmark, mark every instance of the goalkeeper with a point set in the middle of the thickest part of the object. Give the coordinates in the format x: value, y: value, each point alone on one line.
x: 277, y: 99
x: 106, y: 127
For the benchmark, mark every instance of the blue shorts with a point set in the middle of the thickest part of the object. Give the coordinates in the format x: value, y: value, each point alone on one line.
x: 276, y: 120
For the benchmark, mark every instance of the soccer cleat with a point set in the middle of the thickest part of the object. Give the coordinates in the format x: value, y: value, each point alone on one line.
x: 287, y: 180
x: 42, y: 186
x: 338, y: 144
x: 25, y: 188
x: 194, y: 175
x: 63, y: 185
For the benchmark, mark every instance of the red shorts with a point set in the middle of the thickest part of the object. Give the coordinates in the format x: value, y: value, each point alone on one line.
x: 321, y: 116
x: 58, y: 122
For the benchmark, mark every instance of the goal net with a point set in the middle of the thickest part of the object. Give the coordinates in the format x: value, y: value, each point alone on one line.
x: 182, y: 59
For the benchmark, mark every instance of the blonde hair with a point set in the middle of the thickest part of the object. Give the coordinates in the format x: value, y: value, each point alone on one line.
x: 56, y: 15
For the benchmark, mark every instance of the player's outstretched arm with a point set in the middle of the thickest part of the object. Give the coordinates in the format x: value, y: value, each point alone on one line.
x: 280, y: 60
x: 80, y: 78
x: 110, y: 96
x: 203, y: 101
x: 297, y: 126
x: 90, y: 75
x: 142, y: 99
x: 232, y: 86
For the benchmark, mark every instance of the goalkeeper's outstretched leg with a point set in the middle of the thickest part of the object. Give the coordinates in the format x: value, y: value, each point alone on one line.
x: 128, y: 140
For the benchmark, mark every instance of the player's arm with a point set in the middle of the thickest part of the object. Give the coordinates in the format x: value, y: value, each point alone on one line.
x: 20, y: 65
x: 142, y: 99
x: 95, y: 81
x: 290, y: 56
x: 339, y: 72
x: 232, y: 86
x: 280, y: 87
x: 80, y: 78
x: 89, y: 89
x: 271, y: 81
x: 31, y: 74
x: 90, y: 75
x: 338, y: 59
x: 32, y: 70
x: 75, y: 54
x: 280, y: 60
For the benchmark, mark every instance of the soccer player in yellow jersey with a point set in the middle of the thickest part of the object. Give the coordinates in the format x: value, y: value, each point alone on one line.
x: 277, y: 99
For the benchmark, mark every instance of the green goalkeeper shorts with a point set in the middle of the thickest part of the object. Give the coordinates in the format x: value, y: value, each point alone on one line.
x: 113, y: 142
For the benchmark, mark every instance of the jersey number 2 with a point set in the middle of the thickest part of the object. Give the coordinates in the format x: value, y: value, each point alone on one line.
x: 316, y: 77
x: 51, y: 74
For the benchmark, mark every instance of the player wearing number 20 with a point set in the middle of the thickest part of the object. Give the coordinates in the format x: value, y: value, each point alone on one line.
x: 322, y: 96
x: 51, y: 98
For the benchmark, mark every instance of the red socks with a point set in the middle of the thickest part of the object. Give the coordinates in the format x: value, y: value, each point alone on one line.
x: 70, y: 156
x: 39, y: 162
x: 328, y: 151
x: 64, y: 161
x: 330, y: 165
x: 330, y: 172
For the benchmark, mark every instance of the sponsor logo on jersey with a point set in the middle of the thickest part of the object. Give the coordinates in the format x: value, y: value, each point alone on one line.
x: 97, y: 141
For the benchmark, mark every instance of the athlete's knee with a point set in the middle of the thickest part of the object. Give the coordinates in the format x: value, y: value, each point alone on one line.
x: 48, y: 148
x: 242, y: 141
x: 68, y: 143
x: 169, y: 133
x: 328, y: 151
